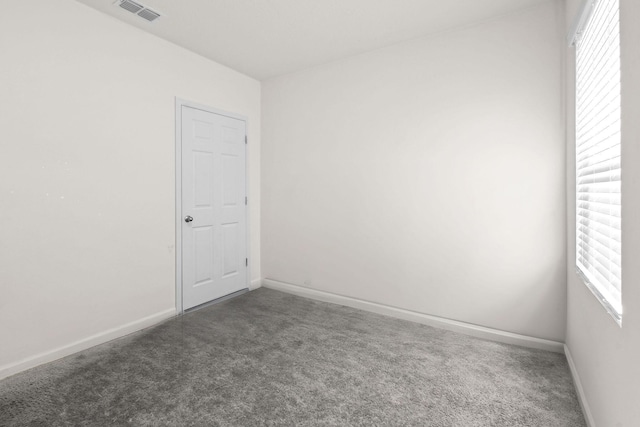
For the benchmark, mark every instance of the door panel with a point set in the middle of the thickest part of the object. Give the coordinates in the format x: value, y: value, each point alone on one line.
x: 230, y: 236
x: 203, y: 179
x: 213, y: 194
x: 203, y: 254
x: 230, y: 165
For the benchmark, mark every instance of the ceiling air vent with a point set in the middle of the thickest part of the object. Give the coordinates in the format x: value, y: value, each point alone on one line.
x: 131, y: 6
x: 149, y: 15
x: 140, y: 10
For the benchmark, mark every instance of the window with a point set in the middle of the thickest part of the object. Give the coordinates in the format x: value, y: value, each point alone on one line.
x: 598, y: 169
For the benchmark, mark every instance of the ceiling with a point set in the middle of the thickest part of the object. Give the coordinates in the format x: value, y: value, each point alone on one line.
x: 266, y: 38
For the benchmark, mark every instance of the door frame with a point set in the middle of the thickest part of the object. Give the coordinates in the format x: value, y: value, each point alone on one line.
x: 179, y: 103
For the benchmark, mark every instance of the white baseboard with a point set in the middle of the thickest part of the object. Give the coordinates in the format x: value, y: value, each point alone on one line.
x: 426, y: 319
x: 578, y: 385
x: 255, y: 284
x: 85, y: 343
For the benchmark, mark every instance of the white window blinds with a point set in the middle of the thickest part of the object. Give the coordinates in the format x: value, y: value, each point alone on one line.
x: 598, y: 184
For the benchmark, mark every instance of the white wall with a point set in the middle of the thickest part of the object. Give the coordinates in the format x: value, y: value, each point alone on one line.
x: 87, y: 171
x: 607, y: 357
x: 427, y: 176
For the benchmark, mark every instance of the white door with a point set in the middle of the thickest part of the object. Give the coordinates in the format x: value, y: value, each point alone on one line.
x: 214, y: 249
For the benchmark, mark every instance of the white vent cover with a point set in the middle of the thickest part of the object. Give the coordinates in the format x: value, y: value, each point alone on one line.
x: 140, y: 10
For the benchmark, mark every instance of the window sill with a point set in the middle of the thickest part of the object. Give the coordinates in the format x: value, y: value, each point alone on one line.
x: 617, y: 317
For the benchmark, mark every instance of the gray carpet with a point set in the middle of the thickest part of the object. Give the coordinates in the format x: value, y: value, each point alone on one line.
x: 269, y: 358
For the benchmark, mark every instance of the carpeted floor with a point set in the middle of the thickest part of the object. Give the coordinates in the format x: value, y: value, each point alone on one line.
x: 269, y: 358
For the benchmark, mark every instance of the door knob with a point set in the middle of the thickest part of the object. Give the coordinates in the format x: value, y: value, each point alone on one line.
x: 188, y: 218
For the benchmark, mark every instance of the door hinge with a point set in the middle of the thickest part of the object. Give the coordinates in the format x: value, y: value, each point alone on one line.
x: 246, y: 200
x: 246, y: 262
x: 245, y: 139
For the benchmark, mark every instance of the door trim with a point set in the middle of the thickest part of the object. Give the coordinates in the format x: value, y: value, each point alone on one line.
x: 179, y: 103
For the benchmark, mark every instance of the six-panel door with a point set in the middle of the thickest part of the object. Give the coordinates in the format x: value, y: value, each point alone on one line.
x: 214, y: 248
